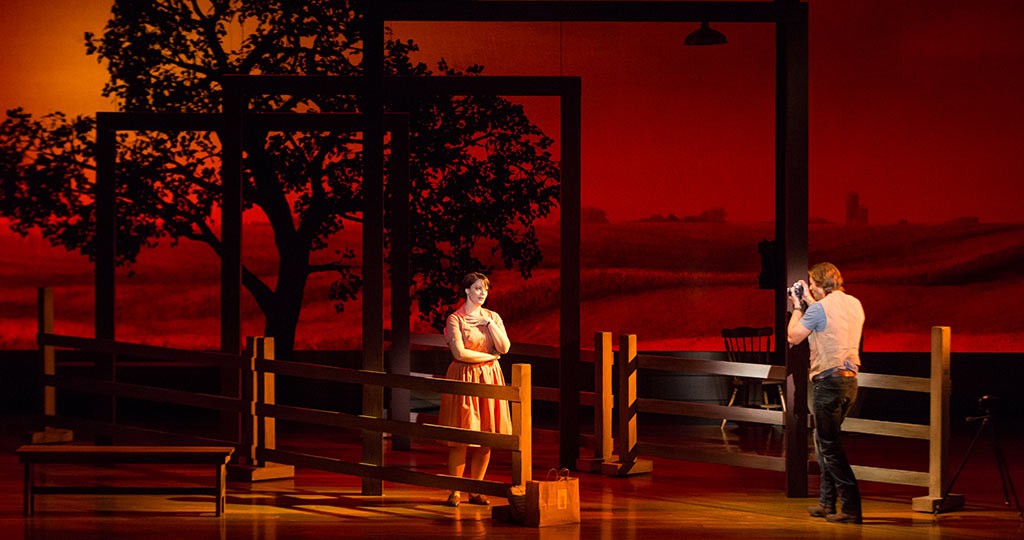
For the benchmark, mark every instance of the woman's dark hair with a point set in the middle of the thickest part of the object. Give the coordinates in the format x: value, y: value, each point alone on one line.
x: 472, y: 278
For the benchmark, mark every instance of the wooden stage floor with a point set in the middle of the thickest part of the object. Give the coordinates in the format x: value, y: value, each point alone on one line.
x: 678, y: 500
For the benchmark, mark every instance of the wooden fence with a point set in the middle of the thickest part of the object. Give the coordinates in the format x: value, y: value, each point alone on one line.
x: 596, y: 447
x: 102, y: 383
x: 255, y: 408
x: 518, y: 394
x: 628, y: 405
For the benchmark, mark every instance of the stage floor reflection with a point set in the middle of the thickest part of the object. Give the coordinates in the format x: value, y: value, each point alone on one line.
x: 678, y: 500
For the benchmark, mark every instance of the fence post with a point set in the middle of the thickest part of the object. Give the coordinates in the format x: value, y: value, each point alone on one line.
x: 259, y: 431
x: 603, y: 397
x: 522, y: 425
x: 46, y: 353
x: 48, y: 368
x: 938, y: 427
x: 626, y: 406
x: 250, y: 431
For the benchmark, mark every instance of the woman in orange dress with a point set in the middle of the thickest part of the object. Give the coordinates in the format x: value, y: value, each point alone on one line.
x: 477, y: 339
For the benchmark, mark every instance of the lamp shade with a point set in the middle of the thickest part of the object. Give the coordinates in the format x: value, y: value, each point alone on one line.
x: 705, y: 35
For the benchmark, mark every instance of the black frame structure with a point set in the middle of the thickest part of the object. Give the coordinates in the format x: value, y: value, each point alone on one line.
x: 233, y: 125
x: 373, y: 89
x: 791, y: 164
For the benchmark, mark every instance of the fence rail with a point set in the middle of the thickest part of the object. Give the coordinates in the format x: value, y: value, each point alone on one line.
x: 255, y: 408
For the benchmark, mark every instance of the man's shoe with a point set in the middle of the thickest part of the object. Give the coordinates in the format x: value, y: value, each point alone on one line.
x: 843, y: 517
x: 820, y: 511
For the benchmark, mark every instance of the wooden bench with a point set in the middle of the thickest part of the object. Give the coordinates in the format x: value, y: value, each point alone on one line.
x: 32, y: 454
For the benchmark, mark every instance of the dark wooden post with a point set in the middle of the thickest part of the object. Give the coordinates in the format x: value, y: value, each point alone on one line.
x: 47, y: 356
x: 371, y: 98
x: 401, y: 272
x: 251, y: 434
x: 106, y: 254
x: 791, y: 121
x: 106, y: 227
x: 231, y: 135
x: 569, y: 278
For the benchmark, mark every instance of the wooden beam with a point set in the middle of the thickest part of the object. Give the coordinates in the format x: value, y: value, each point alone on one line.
x: 894, y: 382
x: 156, y: 121
x: 106, y: 228
x: 148, y: 352
x: 585, y: 11
x: 887, y: 429
x: 890, y: 476
x: 382, y: 425
x: 569, y: 278
x: 938, y: 446
x: 522, y: 425
x: 707, y: 410
x: 397, y: 87
x: 232, y: 146
x: 706, y: 367
x: 147, y: 393
x: 401, y: 274
x: 392, y: 380
x: 736, y: 459
x: 47, y: 354
x: 391, y: 474
x: 791, y: 215
x: 372, y: 105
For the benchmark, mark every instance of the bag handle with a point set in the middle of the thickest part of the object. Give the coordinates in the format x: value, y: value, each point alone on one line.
x: 560, y: 474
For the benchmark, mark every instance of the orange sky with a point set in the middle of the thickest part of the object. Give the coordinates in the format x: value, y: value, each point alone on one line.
x: 914, y: 104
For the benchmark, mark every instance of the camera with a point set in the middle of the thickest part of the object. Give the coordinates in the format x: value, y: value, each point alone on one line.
x: 798, y: 290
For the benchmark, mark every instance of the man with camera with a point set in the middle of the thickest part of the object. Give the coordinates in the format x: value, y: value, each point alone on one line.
x: 831, y: 321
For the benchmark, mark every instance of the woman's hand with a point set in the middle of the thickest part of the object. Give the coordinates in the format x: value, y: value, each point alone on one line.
x: 477, y: 320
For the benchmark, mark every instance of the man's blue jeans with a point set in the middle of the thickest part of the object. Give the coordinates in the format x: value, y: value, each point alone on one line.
x: 833, y: 397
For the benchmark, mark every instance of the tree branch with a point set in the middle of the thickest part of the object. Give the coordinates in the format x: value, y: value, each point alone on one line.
x: 209, y: 26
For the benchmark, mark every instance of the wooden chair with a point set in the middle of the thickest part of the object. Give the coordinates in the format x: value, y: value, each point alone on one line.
x: 751, y: 346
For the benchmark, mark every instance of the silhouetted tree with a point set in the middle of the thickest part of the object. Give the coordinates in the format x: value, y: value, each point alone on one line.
x: 481, y: 171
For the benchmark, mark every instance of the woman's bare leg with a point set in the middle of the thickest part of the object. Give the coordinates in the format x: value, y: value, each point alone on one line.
x: 481, y: 457
x: 478, y: 460
x: 457, y: 460
x: 456, y: 465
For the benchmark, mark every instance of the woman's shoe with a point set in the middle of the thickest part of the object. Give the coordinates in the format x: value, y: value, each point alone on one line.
x: 479, y: 499
x: 454, y: 499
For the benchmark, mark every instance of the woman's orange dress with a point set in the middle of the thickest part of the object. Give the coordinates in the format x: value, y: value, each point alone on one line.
x: 471, y: 412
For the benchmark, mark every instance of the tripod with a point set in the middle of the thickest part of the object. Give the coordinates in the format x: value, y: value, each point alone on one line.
x: 987, y: 406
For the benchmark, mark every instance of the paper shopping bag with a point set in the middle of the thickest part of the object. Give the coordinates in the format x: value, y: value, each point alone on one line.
x: 553, y: 501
